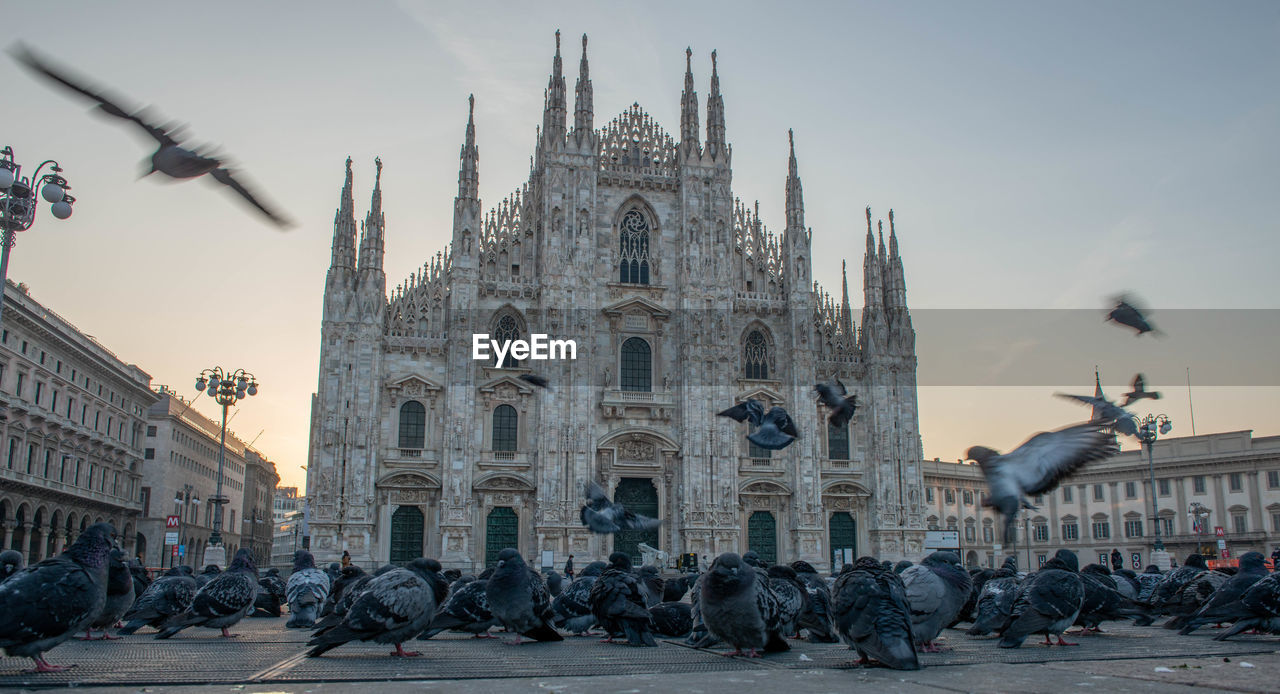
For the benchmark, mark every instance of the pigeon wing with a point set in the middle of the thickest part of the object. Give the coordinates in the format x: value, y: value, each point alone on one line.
x: 225, y: 595
x: 635, y: 521
x: 750, y: 410
x: 307, y: 582
x: 224, y: 177
x: 47, y: 600
x: 1040, y: 463
x: 392, y: 600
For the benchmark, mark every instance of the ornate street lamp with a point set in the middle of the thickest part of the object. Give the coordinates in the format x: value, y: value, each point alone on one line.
x: 1200, y: 520
x: 1147, y: 428
x: 227, y: 388
x: 18, y: 203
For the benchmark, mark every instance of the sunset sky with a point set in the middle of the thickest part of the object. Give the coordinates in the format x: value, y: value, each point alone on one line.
x: 1038, y: 157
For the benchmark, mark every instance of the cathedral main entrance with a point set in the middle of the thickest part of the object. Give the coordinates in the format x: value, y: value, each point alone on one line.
x: 501, y: 530
x: 762, y: 536
x: 843, y: 530
x: 640, y: 497
x: 406, y: 535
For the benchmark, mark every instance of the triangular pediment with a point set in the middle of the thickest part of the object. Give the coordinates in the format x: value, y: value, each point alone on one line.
x: 764, y: 394
x: 504, y: 381
x: 636, y: 304
x: 413, y: 382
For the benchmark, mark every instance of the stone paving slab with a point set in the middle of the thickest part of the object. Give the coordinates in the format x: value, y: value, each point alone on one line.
x: 267, y: 652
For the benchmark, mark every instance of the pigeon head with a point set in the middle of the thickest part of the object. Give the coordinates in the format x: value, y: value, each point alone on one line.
x: 868, y: 564
x: 648, y: 570
x: 488, y: 573
x: 1197, y: 561
x: 10, y: 563
x: 729, y: 564
x: 1096, y: 570
x: 352, y: 571
x: 452, y: 575
x: 93, y: 547
x: 212, y: 569
x: 803, y: 567
x: 886, y: 565
x: 981, y: 454
x: 1010, y: 563
x: 620, y: 560
x: 302, y: 559
x: 243, y: 562
x: 1152, y: 569
x: 1252, y: 561
x: 783, y: 571
x: 187, y: 570
x: 510, y: 556
x: 273, y: 572
x: 1064, y: 560
x: 595, y: 568
x: 753, y: 559
x: 462, y: 581
x: 176, y: 571
x: 901, y: 566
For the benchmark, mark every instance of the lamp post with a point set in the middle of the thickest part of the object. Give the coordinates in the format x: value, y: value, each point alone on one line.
x: 1200, y: 518
x: 1147, y: 428
x: 18, y: 203
x: 181, y: 502
x: 227, y: 388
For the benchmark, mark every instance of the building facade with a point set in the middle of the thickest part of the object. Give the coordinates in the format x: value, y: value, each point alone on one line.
x: 1107, y: 505
x: 72, y: 416
x: 680, y: 303
x: 257, y: 514
x: 181, y: 479
x: 287, y: 534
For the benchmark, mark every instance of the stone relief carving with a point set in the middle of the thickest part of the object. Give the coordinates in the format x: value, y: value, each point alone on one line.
x: 636, y: 450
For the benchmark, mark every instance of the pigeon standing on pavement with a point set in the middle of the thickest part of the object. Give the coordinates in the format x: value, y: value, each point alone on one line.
x: 1224, y: 604
x: 739, y: 606
x: 222, y: 602
x: 43, y: 605
x: 119, y: 597
x: 1037, y: 466
x: 170, y: 158
x: 605, y: 517
x: 1148, y: 582
x: 837, y: 399
x: 672, y: 619
x: 306, y: 591
x: 617, y: 600
x: 816, y: 619
x: 1128, y: 314
x: 519, y: 599
x: 1173, y: 582
x: 210, y: 572
x: 673, y: 589
x: 872, y: 615
x: 651, y: 585
x: 1127, y: 583
x: 1048, y: 602
x: 1102, y: 601
x: 774, y: 430
x: 272, y: 593
x: 10, y: 563
x: 1139, y: 392
x: 392, y: 609
x: 1195, y: 593
x: 350, y: 592
x: 572, y: 608
x: 937, y: 588
x: 1258, y: 608
x: 792, y: 598
x: 466, y: 609
x: 350, y: 574
x: 995, y: 602
x: 168, y: 595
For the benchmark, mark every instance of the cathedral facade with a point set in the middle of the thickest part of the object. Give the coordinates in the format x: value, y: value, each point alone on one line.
x: 628, y: 242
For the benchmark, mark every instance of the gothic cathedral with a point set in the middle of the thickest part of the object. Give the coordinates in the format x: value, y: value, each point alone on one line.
x: 680, y: 303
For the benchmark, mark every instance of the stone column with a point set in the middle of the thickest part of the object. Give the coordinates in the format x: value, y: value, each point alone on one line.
x: 59, y: 541
x: 8, y: 534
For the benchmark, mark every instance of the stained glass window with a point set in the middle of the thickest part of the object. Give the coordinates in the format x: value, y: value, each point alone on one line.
x: 508, y: 331
x: 755, y: 357
x: 505, y: 419
x: 637, y: 365
x: 633, y: 249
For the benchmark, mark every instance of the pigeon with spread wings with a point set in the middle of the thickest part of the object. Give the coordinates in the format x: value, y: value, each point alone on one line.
x: 1126, y: 312
x: 1139, y: 392
x: 1037, y: 466
x: 835, y: 397
x: 170, y: 158
x: 775, y: 429
x: 1107, y: 413
x: 606, y: 517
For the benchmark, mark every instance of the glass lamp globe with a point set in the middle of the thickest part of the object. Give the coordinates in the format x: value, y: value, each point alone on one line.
x: 6, y: 177
x: 200, y: 383
x: 214, y: 382
x: 52, y: 192
x: 253, y: 389
x: 61, y: 209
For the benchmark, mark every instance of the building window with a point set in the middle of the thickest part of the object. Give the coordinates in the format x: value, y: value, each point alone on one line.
x: 1097, y: 492
x: 988, y: 533
x: 1101, y: 530
x: 838, y: 441
x: 1236, y: 480
x: 1166, y: 525
x: 413, y: 425
x: 151, y: 430
x: 951, y: 525
x: 1040, y: 531
x: 1131, y: 490
x: 633, y: 249
x: 932, y: 523
x: 149, y: 454
x: 949, y: 496
x: 928, y: 495
x: 1239, y: 523
x: 755, y: 356
x: 504, y: 428
x: 1273, y: 479
x: 1197, y: 484
x: 637, y: 366
x: 967, y: 495
x: 1163, y: 485
x: 1133, y: 528
x: 1275, y: 521
x: 970, y: 532
x: 1066, y: 495
x: 507, y: 332
x: 17, y: 390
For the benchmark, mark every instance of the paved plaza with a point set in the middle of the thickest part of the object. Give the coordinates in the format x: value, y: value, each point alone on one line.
x: 268, y: 657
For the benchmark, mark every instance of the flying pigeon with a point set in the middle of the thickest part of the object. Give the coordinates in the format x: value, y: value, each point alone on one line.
x: 119, y: 598
x: 222, y: 602
x: 936, y: 590
x: 10, y: 563
x: 168, y: 595
x: 392, y: 609
x: 995, y: 602
x: 740, y: 607
x: 535, y: 379
x: 673, y: 619
x: 872, y: 615
x: 1258, y: 608
x: 1126, y: 313
x: 606, y: 517
x: 1048, y: 602
x: 43, y: 605
x: 836, y: 398
x: 271, y: 594
x: 519, y: 599
x: 1225, y: 602
x: 1139, y: 392
x: 306, y: 590
x: 774, y: 430
x: 1037, y: 466
x: 466, y: 609
x: 573, y: 607
x: 170, y: 158
x: 1107, y: 412
x: 617, y: 600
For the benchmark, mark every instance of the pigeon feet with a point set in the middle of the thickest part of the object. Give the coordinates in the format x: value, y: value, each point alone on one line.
x: 43, y: 665
x: 486, y: 635
x: 400, y: 652
x: 1063, y: 643
x: 108, y: 637
x: 228, y: 635
x: 931, y: 647
x: 514, y: 642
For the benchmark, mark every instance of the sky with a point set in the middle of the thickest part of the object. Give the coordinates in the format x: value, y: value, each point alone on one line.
x: 1038, y: 157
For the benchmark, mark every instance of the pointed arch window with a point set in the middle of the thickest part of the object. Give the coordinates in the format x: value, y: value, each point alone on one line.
x: 637, y: 366
x: 837, y: 441
x: 633, y: 249
x: 507, y: 331
x: 505, y: 421
x: 755, y: 356
x: 413, y: 425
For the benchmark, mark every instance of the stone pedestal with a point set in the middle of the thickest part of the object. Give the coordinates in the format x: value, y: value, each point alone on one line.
x: 215, y: 554
x: 1160, y: 559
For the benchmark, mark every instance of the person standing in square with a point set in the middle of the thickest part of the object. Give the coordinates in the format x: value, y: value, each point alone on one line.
x: 568, y: 568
